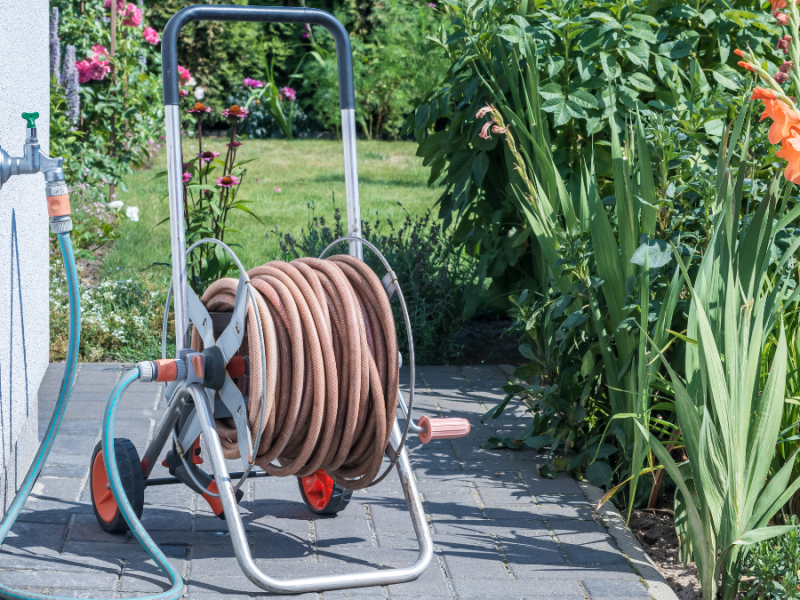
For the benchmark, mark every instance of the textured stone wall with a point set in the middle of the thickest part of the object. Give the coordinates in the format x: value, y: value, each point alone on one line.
x: 24, y: 230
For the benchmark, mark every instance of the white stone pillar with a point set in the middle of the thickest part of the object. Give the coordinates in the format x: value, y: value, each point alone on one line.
x: 24, y: 232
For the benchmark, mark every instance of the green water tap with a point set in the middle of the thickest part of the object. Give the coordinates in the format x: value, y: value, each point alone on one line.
x: 31, y: 119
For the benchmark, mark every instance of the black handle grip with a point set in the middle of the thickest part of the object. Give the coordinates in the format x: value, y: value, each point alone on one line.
x: 265, y: 14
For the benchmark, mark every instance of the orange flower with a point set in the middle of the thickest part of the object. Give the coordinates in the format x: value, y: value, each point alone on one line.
x: 776, y: 4
x: 783, y: 119
x: 761, y: 94
x: 738, y: 52
x: 791, y: 153
x: 746, y: 65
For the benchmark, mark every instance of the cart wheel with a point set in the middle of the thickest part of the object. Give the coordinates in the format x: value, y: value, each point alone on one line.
x: 322, y: 495
x: 104, y: 504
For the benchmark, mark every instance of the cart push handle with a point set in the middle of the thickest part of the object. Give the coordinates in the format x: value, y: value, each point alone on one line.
x: 260, y: 14
x: 172, y: 118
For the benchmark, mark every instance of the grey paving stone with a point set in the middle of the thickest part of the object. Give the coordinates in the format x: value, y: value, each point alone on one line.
x: 502, y: 488
x: 390, y: 518
x: 539, y: 485
x: 586, y: 542
x: 614, y: 588
x: 479, y: 375
x: 72, y: 593
x: 445, y: 376
x: 370, y: 593
x: 343, y: 533
x: 520, y: 590
x: 453, y: 507
x: 488, y: 511
x: 431, y: 584
x: 84, y: 580
x: 74, y: 444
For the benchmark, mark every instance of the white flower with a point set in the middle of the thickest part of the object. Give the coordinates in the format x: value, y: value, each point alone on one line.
x: 132, y: 212
x: 116, y: 204
x: 199, y: 93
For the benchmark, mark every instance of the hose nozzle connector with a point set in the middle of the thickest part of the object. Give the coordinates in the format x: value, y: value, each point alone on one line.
x: 163, y: 370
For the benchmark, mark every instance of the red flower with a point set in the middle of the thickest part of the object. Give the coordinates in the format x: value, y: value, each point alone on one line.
x: 776, y: 4
x: 783, y: 44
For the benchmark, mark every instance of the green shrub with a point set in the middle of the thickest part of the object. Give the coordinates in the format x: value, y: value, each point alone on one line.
x: 120, y: 320
x: 773, y: 567
x: 393, y: 72
x: 598, y: 62
x: 433, y: 276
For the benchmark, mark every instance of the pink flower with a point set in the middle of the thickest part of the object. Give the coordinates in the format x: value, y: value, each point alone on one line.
x: 235, y: 145
x: 183, y: 74
x: 96, y: 67
x: 133, y: 16
x: 287, y: 93
x: 782, y: 18
x: 120, y: 6
x: 150, y: 35
x: 483, y: 112
x: 83, y: 71
x: 277, y: 190
x: 183, y: 93
x: 252, y: 83
x: 431, y: 5
x: 228, y: 181
x: 186, y: 177
x: 207, y: 156
x: 235, y: 112
x: 485, y: 130
x: 100, y: 53
x: 304, y: 36
x: 98, y: 70
x: 783, y: 44
x: 781, y: 77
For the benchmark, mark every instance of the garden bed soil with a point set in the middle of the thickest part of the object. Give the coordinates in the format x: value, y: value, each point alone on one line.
x: 656, y: 533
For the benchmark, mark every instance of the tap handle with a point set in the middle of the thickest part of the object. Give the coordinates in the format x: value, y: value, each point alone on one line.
x: 31, y: 119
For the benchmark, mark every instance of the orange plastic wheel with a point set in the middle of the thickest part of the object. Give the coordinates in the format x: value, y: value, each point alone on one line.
x: 103, y: 497
x: 322, y: 495
x: 104, y: 504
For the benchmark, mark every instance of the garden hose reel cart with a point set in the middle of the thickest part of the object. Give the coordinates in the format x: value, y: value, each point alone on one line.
x: 200, y: 384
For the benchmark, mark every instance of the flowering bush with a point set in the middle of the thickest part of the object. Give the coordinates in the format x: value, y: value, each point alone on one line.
x: 120, y: 320
x: 779, y: 106
x: 113, y: 95
x: 280, y: 104
x: 211, y: 188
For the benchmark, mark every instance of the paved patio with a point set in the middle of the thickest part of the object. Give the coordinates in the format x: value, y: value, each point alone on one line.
x: 500, y: 531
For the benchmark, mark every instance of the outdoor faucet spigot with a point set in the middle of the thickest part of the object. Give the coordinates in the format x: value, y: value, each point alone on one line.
x: 34, y: 160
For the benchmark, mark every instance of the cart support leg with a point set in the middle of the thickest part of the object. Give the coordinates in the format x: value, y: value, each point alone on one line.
x: 311, y: 584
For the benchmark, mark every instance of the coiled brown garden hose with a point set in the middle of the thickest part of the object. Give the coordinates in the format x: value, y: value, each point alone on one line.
x: 332, y: 368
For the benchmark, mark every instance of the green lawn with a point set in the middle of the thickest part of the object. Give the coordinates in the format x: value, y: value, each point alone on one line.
x: 306, y: 171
